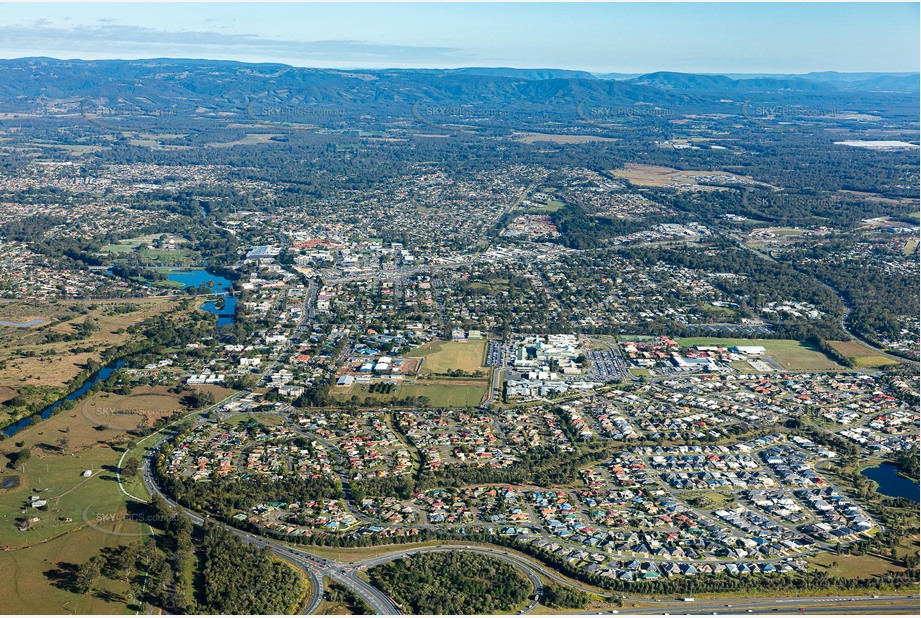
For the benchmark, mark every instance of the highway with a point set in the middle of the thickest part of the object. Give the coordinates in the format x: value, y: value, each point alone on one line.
x: 345, y: 574
x: 817, y: 605
x: 316, y: 567
x: 512, y: 559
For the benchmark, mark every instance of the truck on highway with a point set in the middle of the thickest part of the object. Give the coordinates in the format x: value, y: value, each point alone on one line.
x: 688, y: 599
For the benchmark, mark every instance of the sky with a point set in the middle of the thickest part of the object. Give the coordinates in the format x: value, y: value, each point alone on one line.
x: 615, y: 37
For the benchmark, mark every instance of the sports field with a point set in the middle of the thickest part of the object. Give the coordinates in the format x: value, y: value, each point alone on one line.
x: 446, y: 356
x: 789, y: 353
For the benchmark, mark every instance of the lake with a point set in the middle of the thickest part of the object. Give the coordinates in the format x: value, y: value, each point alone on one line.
x: 891, y: 484
x: 194, y: 278
x: 100, y: 376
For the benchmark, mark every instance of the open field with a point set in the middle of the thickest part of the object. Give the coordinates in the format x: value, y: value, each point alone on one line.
x: 862, y: 355
x: 77, y: 149
x: 910, y: 246
x: 145, y: 404
x: 790, y: 354
x: 445, y: 356
x: 27, y: 359
x: 82, y: 515
x: 62, y: 448
x: 853, y: 566
x: 440, y: 394
x: 130, y: 244
x: 657, y: 176
x: 548, y: 207
x: 250, y: 139
x: 531, y: 138
x: 28, y: 574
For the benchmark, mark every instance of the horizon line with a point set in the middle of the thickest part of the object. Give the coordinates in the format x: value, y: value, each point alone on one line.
x: 445, y: 68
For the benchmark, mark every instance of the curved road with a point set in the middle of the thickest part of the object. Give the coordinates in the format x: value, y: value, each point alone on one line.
x: 528, y: 569
x: 315, y: 566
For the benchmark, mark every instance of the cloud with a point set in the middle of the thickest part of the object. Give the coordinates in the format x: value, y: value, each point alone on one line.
x: 122, y: 40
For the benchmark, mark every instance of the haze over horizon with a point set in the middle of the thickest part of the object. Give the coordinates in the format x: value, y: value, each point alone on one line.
x: 621, y: 37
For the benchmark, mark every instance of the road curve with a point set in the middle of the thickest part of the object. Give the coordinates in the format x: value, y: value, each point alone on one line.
x: 315, y: 566
x: 526, y: 563
x: 515, y: 561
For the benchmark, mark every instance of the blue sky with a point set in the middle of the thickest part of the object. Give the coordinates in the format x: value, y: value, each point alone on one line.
x: 617, y: 37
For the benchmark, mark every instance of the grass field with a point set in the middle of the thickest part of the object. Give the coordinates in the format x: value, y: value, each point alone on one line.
x: 62, y: 537
x: 910, y: 247
x: 126, y: 411
x: 151, y: 256
x: 548, y: 207
x: 62, y: 448
x: 54, y: 364
x: 28, y: 574
x: 445, y: 356
x: 249, y: 140
x: 852, y: 566
x: 439, y: 394
x: 790, y: 354
x: 83, y: 515
x: 862, y: 355
x: 130, y: 244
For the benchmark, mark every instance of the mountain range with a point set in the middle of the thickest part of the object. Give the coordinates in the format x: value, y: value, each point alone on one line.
x: 187, y: 84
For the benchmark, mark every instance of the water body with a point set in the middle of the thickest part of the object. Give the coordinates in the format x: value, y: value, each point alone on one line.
x: 100, y: 376
x: 194, y: 278
x: 29, y: 324
x: 891, y: 484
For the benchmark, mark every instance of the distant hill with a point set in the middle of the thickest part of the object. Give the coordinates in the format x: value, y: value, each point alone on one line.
x: 192, y: 88
x: 683, y: 81
x: 523, y: 73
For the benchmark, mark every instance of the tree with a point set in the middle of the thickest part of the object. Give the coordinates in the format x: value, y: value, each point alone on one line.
x: 131, y: 467
x: 87, y: 574
x: 22, y: 456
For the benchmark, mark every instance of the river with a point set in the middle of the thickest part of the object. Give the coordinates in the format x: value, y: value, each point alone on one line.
x: 100, y: 376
